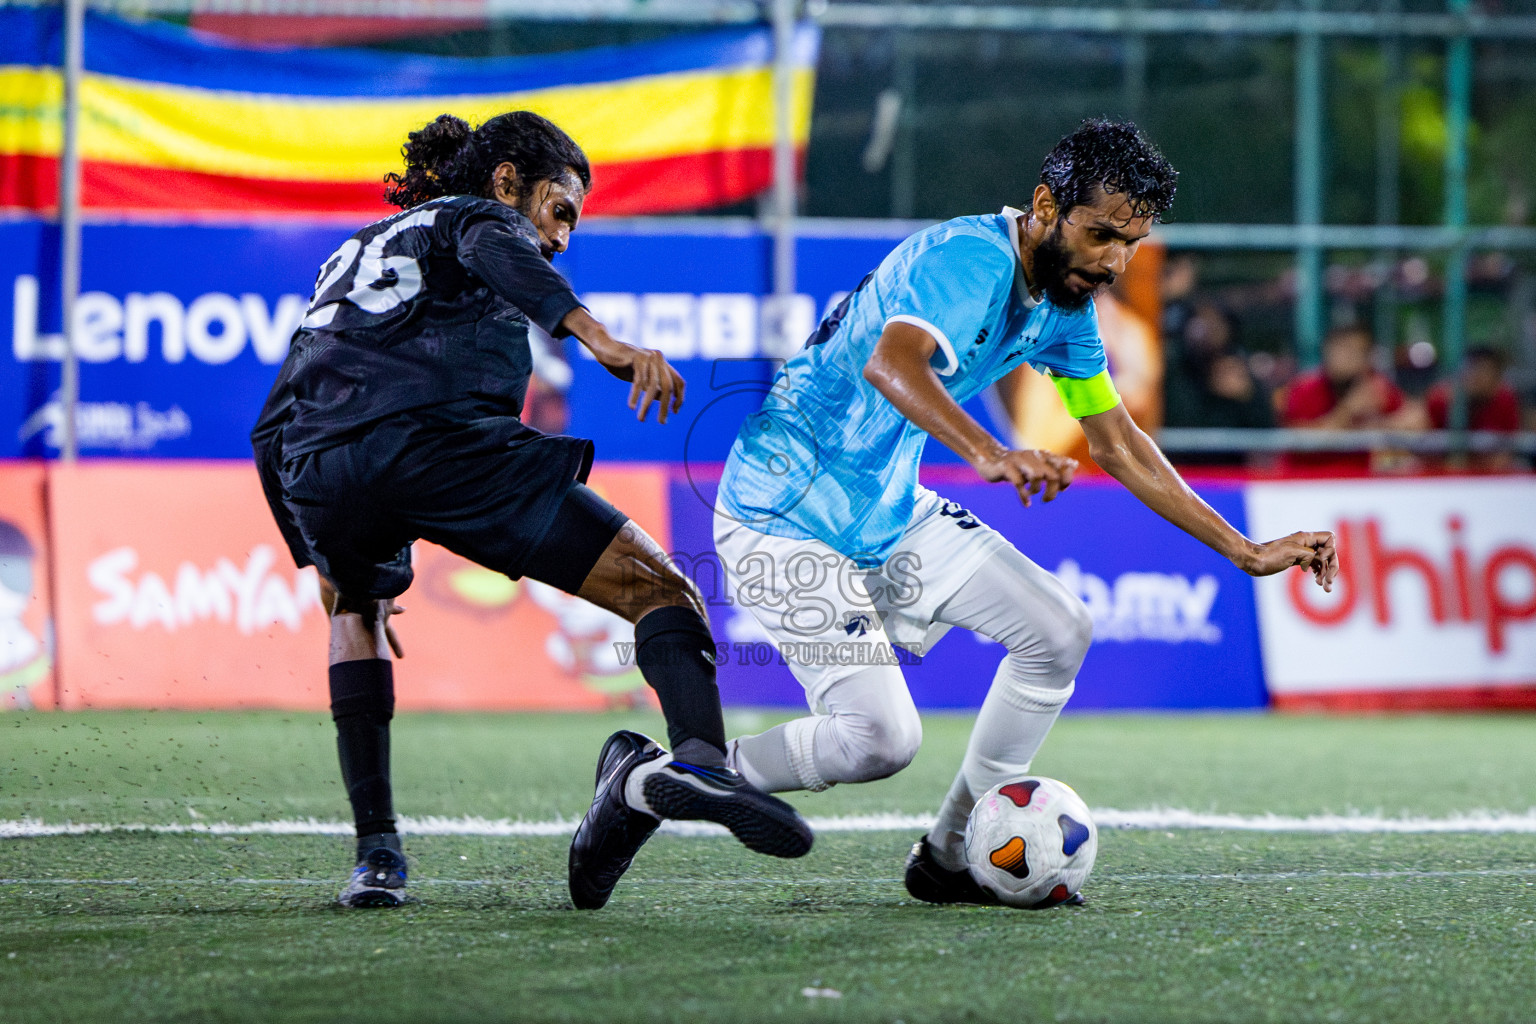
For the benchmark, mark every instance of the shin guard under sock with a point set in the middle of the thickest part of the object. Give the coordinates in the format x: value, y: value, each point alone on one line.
x: 362, y: 704
x: 676, y: 654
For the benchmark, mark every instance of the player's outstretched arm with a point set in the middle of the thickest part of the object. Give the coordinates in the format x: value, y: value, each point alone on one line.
x: 1125, y: 452
x: 899, y: 369
x: 516, y: 269
x: 652, y: 377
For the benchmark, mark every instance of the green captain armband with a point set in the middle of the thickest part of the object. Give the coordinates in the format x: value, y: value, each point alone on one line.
x: 1087, y: 397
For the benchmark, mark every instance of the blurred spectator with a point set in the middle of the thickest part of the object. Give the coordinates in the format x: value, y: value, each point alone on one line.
x: 1347, y: 393
x: 1414, y: 365
x: 1233, y: 398
x: 1491, y: 403
x: 1204, y: 333
x: 1209, y: 382
x: 1180, y: 276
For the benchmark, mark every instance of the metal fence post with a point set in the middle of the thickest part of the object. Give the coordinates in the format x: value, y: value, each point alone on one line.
x: 69, y: 224
x: 1389, y: 118
x: 904, y: 151
x: 1458, y: 113
x: 784, y: 177
x: 1133, y: 81
x: 1309, y: 192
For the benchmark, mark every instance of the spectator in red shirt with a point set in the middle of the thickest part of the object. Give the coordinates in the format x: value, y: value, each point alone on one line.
x: 1491, y: 403
x: 1347, y: 393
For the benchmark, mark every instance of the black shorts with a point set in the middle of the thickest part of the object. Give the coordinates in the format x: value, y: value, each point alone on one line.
x: 493, y: 490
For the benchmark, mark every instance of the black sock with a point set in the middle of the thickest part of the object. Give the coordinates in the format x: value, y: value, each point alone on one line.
x: 379, y: 840
x: 676, y: 654
x: 362, y: 703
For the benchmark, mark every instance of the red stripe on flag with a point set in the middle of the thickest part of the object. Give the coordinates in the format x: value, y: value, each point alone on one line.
x: 32, y: 182
x: 321, y: 30
x: 28, y: 182
x: 673, y: 184
x: 667, y: 185
x: 107, y: 186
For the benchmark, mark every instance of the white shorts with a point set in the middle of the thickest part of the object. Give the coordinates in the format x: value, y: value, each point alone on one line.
x: 828, y: 618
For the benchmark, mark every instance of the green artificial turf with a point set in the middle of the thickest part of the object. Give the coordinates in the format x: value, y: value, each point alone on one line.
x: 1182, y: 925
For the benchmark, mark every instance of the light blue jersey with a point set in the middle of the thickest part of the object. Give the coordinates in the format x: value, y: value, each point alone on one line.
x: 828, y: 457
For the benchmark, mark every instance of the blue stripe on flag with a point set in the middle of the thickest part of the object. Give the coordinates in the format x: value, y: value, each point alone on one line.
x: 174, y: 55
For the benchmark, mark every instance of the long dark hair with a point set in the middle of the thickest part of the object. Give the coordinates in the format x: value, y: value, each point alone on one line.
x: 448, y: 158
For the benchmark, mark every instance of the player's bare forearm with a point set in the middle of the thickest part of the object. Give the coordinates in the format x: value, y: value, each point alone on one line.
x: 588, y: 330
x: 1125, y: 452
x: 652, y: 379
x: 899, y: 369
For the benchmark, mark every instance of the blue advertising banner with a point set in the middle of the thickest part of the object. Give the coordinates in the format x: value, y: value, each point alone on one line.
x: 1174, y: 622
x: 180, y: 329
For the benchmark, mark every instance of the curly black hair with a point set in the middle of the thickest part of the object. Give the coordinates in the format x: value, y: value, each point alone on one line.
x: 1115, y: 156
x: 447, y: 158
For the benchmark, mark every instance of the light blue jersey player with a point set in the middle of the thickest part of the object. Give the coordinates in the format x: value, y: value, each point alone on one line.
x: 827, y: 457
x: 838, y: 552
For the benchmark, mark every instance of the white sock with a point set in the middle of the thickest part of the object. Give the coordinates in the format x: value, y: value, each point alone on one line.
x: 872, y: 730
x: 1010, y: 729
x: 1047, y: 631
x: 634, y: 786
x: 765, y: 759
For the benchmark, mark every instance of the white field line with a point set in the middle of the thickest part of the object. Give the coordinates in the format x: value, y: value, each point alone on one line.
x: 715, y: 883
x: 1472, y: 821
x: 1152, y: 819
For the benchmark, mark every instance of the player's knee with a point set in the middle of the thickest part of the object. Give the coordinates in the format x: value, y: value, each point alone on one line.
x: 1074, y: 632
x: 1058, y: 635
x: 671, y: 588
x: 1053, y: 644
x: 887, y: 742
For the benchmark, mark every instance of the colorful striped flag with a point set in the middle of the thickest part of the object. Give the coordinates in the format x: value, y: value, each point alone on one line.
x: 175, y: 120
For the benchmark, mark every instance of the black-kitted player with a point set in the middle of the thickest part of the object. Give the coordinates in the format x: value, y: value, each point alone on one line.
x: 395, y: 417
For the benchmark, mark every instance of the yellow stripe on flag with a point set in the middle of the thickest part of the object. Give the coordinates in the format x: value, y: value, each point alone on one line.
x: 31, y: 111
x: 326, y: 139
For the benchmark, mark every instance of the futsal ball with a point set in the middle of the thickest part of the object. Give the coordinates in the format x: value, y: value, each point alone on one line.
x: 1031, y: 842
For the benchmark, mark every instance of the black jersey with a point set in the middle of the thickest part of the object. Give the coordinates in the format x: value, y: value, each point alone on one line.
x: 428, y: 308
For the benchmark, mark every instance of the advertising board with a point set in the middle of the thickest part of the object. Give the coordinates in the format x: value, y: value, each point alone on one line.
x: 185, y: 597
x: 1435, y: 605
x: 180, y: 333
x: 1174, y: 622
x: 28, y: 644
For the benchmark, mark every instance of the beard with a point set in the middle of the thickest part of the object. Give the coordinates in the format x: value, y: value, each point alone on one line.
x: 1052, y: 264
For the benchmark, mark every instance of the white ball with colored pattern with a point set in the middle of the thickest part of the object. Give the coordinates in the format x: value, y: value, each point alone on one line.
x: 1031, y: 842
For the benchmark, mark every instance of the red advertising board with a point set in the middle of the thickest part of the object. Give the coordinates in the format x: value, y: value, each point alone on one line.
x: 27, y: 649
x: 175, y: 591
x: 1435, y: 606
